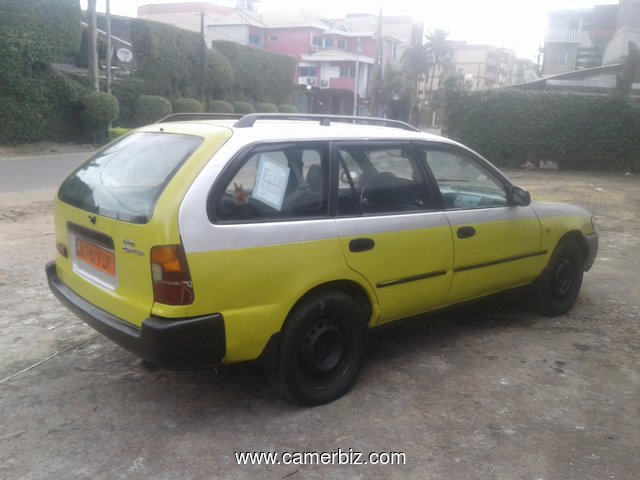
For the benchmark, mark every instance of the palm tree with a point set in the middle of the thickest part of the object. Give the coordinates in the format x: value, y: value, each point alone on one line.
x: 439, y: 50
x: 415, y: 64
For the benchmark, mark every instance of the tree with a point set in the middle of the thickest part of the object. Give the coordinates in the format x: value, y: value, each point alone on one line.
x: 415, y: 64
x: 439, y: 50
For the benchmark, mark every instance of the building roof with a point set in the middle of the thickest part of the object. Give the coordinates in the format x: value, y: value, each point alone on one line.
x: 336, y: 56
x: 294, y: 17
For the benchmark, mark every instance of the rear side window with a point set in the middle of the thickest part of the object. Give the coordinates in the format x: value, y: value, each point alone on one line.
x: 278, y: 183
x: 125, y: 180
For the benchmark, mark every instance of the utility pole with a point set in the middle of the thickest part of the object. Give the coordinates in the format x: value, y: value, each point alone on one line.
x: 109, y: 45
x: 356, y: 83
x: 92, y: 34
x: 203, y: 57
x: 373, y: 96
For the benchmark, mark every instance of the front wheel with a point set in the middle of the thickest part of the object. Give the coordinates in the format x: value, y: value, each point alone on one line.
x: 559, y: 285
x: 322, y: 348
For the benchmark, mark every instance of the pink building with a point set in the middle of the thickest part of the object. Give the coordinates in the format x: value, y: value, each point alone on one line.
x: 335, y: 56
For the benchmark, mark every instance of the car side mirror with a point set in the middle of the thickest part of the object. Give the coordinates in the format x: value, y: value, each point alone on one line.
x: 520, y: 197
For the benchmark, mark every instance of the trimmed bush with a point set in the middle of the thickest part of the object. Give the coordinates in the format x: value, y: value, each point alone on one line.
x: 259, y: 76
x: 187, y: 105
x: 98, y: 110
x: 287, y: 109
x: 219, y: 106
x: 510, y: 127
x: 127, y: 92
x: 263, y: 107
x: 243, y: 108
x: 117, y: 132
x: 151, y: 108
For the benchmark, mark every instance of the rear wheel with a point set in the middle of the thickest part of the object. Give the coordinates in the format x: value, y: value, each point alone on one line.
x: 559, y: 285
x: 322, y: 348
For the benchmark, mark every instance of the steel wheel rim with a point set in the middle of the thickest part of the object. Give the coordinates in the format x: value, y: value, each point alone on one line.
x: 563, y: 278
x: 324, y: 351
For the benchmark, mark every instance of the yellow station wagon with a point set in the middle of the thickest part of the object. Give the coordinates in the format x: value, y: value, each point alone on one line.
x: 283, y: 239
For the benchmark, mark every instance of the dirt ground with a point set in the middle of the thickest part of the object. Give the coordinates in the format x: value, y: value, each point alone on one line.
x: 492, y: 391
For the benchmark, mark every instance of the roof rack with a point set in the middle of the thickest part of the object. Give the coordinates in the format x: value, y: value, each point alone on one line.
x: 177, y: 117
x: 325, y: 120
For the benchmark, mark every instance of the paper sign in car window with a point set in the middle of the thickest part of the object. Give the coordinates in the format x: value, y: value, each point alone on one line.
x: 271, y: 183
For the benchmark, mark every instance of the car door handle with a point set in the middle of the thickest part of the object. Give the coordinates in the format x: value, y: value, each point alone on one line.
x: 466, y: 232
x: 361, y: 244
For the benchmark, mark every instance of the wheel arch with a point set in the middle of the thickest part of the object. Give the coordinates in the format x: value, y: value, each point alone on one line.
x: 578, y: 238
x: 268, y: 359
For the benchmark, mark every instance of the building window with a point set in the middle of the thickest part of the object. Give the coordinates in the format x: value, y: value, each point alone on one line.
x: 317, y: 42
x: 308, y: 71
x: 342, y: 44
x: 347, y: 72
x: 328, y: 42
x: 254, y: 39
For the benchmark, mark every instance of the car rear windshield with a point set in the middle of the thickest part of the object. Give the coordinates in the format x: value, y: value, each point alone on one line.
x: 125, y: 180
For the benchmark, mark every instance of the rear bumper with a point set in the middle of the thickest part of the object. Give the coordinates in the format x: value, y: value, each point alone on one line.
x: 176, y: 343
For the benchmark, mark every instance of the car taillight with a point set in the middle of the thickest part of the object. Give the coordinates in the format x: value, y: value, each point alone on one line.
x: 171, y: 279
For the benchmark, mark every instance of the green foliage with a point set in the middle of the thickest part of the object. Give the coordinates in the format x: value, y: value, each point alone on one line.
x: 151, y: 108
x: 167, y: 57
x: 117, y: 132
x: 219, y: 106
x: 220, y: 74
x: 264, y: 107
x: 510, y: 127
x: 98, y: 110
x: 43, y: 107
x: 127, y: 92
x: 187, y: 105
x: 259, y: 76
x: 243, y: 108
x: 35, y: 102
x: 34, y: 33
x: 286, y: 108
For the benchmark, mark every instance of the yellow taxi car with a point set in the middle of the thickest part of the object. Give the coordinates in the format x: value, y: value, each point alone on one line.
x: 283, y: 239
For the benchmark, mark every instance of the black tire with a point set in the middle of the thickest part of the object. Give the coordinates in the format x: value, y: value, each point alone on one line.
x: 322, y: 348
x: 559, y: 285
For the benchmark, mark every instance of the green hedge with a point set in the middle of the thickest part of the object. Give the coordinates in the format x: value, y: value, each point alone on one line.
x: 151, y: 108
x: 259, y: 76
x: 187, y: 105
x: 220, y: 106
x: 243, y: 108
x: 264, y: 107
x: 582, y: 132
x: 287, y: 108
x: 167, y: 57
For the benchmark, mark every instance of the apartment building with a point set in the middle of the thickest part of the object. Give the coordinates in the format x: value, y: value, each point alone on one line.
x: 335, y: 57
x: 481, y: 67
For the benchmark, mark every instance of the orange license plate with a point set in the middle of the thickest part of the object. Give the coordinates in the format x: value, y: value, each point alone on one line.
x: 97, y: 257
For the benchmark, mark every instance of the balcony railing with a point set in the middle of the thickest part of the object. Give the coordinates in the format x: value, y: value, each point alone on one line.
x: 563, y: 35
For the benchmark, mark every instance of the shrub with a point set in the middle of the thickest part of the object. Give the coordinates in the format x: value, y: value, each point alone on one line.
x: 510, y: 127
x: 127, y: 92
x: 117, y: 132
x: 187, y: 105
x: 263, y: 107
x: 151, y: 108
x: 243, y: 108
x: 219, y: 106
x: 97, y: 110
x: 287, y: 109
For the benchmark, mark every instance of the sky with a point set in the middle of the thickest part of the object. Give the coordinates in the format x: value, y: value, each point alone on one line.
x: 513, y: 24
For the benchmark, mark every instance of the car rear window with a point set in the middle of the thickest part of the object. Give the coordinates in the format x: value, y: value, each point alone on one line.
x: 125, y: 180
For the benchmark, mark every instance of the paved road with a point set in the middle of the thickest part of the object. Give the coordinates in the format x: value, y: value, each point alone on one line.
x: 37, y: 172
